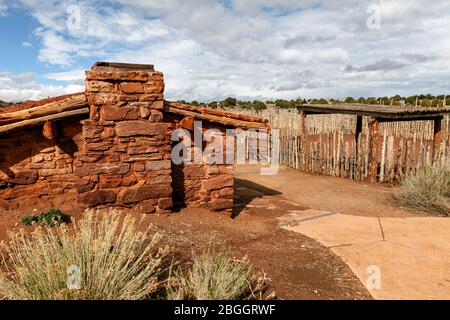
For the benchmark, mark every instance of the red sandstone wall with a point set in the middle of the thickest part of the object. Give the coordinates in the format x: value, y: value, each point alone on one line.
x: 119, y: 156
x: 203, y: 185
x: 32, y: 166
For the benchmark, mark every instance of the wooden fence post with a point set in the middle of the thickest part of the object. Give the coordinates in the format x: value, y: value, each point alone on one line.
x: 373, y: 151
x: 437, y: 138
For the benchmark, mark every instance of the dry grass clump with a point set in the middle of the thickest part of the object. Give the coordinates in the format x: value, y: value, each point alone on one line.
x: 428, y: 190
x: 115, y: 260
x: 216, y: 276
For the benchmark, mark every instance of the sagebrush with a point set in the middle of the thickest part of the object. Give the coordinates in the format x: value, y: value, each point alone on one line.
x: 115, y: 259
x: 427, y: 190
x: 216, y: 276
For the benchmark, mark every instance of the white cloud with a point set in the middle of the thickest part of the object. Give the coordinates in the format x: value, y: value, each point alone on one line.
x: 72, y: 76
x: 27, y: 44
x: 256, y: 48
x: 23, y: 86
x: 3, y: 8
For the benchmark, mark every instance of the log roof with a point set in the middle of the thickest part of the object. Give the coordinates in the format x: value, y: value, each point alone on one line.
x: 33, y: 113
x: 376, y: 111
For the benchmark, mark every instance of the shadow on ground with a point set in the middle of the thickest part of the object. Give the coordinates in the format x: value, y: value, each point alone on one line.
x: 246, y: 191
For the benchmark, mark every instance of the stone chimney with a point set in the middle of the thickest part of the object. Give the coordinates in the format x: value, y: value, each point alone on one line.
x: 125, y: 158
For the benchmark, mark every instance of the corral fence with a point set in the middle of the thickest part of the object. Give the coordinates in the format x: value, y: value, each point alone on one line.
x: 353, y: 146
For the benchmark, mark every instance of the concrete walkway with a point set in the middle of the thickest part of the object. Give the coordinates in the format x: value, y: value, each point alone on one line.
x: 395, y: 258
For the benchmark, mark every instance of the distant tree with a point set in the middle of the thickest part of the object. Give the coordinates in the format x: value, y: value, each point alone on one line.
x: 231, y: 101
x: 284, y: 104
x: 319, y: 101
x: 258, y: 105
x: 372, y: 100
x: 194, y: 103
x: 411, y: 101
x: 350, y: 100
x: 426, y: 103
x: 386, y: 101
x: 362, y: 100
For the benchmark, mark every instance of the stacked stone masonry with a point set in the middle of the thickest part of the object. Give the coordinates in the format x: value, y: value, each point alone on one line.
x: 119, y: 155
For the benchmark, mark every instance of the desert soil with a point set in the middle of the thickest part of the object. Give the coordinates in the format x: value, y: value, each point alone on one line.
x: 299, y: 267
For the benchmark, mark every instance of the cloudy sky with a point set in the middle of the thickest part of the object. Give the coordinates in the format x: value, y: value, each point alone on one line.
x: 211, y: 49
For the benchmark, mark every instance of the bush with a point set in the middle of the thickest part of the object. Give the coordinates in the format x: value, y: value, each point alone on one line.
x: 115, y: 261
x: 49, y: 218
x: 216, y: 276
x: 428, y: 190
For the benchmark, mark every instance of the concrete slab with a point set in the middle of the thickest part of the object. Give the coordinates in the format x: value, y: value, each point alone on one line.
x: 340, y: 229
x: 431, y: 235
x: 295, y: 217
x: 405, y: 273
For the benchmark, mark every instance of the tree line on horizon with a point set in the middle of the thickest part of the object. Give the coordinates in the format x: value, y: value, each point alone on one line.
x: 423, y: 100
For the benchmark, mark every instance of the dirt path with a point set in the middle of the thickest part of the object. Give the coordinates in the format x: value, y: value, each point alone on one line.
x: 327, y: 193
x: 396, y: 254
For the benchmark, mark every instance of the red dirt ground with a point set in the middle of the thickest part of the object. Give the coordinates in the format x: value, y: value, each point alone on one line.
x: 299, y: 267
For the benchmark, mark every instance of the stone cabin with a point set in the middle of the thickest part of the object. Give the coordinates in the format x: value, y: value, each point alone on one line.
x: 111, y: 146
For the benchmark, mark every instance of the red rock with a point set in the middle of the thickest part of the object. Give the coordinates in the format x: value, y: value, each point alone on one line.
x: 218, y: 205
x: 158, y: 105
x: 92, y: 132
x: 106, y: 168
x: 154, y: 88
x: 156, y: 116
x: 99, y: 86
x: 110, y: 181
x: 225, y: 192
x: 118, y: 113
x: 139, y: 166
x: 118, y: 75
x: 151, y: 97
x: 98, y: 197
x: 134, y: 195
x: 139, y: 128
x: 129, y: 181
x: 141, y: 150
x: 146, y: 207
x: 161, y: 179
x: 100, y: 99
x: 158, y: 165
x: 132, y: 87
x: 108, y: 132
x: 99, y: 146
x: 89, y: 157
x: 23, y: 178
x: 218, y: 182
x: 42, y: 165
x: 84, y: 185
x: 52, y: 172
x: 142, y: 157
x: 165, y: 203
x: 194, y: 171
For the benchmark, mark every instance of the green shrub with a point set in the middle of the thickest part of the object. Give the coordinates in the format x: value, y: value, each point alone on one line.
x: 51, y: 218
x: 216, y: 276
x: 115, y: 259
x: 427, y: 190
